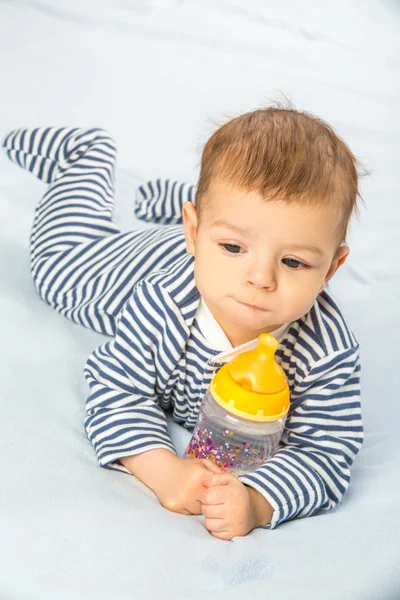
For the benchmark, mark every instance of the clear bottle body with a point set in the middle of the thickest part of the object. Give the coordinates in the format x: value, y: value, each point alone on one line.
x: 236, y: 444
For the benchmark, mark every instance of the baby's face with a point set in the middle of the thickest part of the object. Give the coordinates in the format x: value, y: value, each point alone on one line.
x: 259, y: 265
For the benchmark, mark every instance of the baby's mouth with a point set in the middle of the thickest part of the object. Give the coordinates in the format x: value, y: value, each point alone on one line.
x: 252, y: 306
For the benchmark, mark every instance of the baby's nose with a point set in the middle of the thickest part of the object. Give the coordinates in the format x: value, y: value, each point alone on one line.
x: 263, y: 276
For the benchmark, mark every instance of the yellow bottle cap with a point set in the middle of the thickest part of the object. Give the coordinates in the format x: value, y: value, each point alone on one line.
x: 252, y: 385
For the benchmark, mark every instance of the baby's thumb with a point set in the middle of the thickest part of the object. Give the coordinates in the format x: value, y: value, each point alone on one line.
x: 211, y: 466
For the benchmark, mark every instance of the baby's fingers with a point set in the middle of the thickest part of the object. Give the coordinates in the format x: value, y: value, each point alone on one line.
x: 218, y: 479
x: 222, y: 535
x: 213, y: 511
x: 218, y: 528
x: 211, y: 465
x: 215, y: 525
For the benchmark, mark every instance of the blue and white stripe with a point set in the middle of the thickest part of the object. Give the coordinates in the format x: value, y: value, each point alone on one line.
x: 161, y: 201
x: 81, y: 264
x: 140, y: 287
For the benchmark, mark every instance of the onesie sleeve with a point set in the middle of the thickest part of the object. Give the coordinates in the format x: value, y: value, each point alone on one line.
x: 323, y: 434
x: 161, y: 201
x: 129, y: 376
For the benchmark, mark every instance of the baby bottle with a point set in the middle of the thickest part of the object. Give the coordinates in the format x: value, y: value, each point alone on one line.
x: 243, y: 413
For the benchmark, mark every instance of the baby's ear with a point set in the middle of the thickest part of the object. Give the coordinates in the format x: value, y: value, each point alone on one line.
x: 189, y: 216
x: 338, y: 260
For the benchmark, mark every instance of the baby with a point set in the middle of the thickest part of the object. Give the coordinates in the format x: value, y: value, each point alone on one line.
x: 266, y: 233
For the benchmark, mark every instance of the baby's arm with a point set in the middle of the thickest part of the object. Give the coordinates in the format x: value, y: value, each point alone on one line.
x: 311, y: 469
x: 323, y: 434
x: 125, y: 422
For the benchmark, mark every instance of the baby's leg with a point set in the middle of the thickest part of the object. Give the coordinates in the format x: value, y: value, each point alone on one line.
x: 78, y: 205
x: 81, y: 264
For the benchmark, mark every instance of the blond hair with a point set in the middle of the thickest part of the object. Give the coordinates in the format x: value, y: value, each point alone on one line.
x: 282, y: 153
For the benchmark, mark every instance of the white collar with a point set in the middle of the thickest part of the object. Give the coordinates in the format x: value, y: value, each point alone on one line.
x: 216, y: 337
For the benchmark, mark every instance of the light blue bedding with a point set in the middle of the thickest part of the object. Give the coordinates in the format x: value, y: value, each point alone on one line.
x: 159, y: 74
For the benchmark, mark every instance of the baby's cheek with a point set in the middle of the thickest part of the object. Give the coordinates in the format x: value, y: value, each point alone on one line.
x: 304, y: 297
x: 208, y: 277
x: 297, y: 310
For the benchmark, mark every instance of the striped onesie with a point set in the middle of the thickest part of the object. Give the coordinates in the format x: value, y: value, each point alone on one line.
x: 139, y: 288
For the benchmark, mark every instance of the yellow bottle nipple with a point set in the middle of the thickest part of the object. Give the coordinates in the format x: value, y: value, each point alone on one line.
x: 253, y: 385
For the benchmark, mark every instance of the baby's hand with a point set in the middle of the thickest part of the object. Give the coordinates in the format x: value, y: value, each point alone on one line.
x: 232, y: 508
x: 180, y: 485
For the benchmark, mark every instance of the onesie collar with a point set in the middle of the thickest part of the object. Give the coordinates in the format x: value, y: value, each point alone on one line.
x: 216, y: 337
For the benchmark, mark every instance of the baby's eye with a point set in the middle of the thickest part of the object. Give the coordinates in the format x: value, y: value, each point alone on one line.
x: 232, y: 248
x: 292, y: 263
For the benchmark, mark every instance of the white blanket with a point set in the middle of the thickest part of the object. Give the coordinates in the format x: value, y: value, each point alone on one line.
x: 159, y: 74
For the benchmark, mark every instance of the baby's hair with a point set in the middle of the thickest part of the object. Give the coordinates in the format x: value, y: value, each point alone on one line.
x: 282, y: 153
